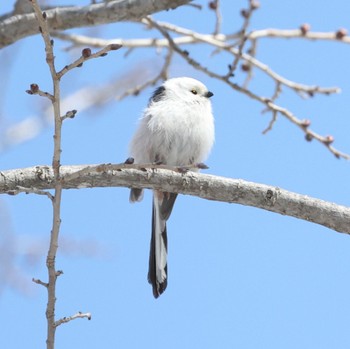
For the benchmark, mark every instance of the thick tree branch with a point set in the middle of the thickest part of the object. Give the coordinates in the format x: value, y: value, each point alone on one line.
x: 209, y: 187
x: 18, y: 27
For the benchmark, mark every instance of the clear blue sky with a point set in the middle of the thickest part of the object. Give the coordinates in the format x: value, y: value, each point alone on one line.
x: 239, y: 277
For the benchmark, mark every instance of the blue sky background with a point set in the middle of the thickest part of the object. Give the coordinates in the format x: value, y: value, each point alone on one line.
x: 238, y: 276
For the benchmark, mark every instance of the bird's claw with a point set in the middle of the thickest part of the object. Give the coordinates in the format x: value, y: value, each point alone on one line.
x: 202, y: 166
x: 129, y: 161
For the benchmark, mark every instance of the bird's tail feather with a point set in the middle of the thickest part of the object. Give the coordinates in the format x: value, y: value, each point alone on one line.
x: 136, y: 195
x: 158, y: 267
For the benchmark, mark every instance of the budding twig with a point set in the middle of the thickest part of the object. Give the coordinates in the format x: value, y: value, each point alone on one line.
x: 86, y: 55
x: 268, y: 103
x: 78, y: 315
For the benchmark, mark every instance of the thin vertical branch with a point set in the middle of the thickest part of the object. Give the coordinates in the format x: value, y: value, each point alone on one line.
x: 55, y: 99
x: 56, y: 163
x: 215, y: 6
x: 246, y: 14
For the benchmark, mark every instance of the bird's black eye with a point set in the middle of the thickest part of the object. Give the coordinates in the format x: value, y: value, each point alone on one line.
x: 194, y: 91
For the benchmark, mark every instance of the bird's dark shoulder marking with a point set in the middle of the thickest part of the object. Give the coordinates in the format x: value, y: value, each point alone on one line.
x: 158, y: 94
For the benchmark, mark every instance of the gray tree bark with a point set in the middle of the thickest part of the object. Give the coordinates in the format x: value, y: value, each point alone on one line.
x: 208, y: 187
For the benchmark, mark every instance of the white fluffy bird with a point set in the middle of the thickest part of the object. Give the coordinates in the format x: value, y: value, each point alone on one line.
x: 176, y: 129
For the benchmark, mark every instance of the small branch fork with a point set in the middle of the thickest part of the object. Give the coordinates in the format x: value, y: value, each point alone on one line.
x: 55, y: 99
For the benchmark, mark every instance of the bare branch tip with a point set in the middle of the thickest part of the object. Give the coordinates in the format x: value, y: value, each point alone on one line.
x: 78, y: 315
x: 70, y: 114
x: 59, y: 272
x: 39, y: 282
x: 341, y: 33
x: 328, y: 140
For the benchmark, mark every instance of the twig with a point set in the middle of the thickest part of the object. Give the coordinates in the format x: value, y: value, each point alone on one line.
x: 69, y: 115
x: 35, y: 90
x: 56, y: 163
x: 246, y: 14
x: 39, y: 282
x: 215, y: 6
x: 271, y: 123
x: 297, y: 34
x: 266, y: 101
x: 252, y: 52
x: 196, y: 6
x: 219, y: 43
x: 278, y: 91
x: 78, y: 315
x: 87, y: 55
x: 20, y: 189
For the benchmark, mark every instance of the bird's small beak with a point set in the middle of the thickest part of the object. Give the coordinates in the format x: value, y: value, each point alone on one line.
x: 209, y: 94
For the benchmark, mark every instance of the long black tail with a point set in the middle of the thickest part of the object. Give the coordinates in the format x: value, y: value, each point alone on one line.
x: 158, y: 268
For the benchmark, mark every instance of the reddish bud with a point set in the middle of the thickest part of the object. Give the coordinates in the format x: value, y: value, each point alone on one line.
x: 213, y: 5
x: 328, y: 140
x: 254, y: 5
x: 305, y: 28
x: 341, y: 33
x: 246, y: 67
x: 86, y: 52
x: 305, y: 123
x: 34, y: 88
